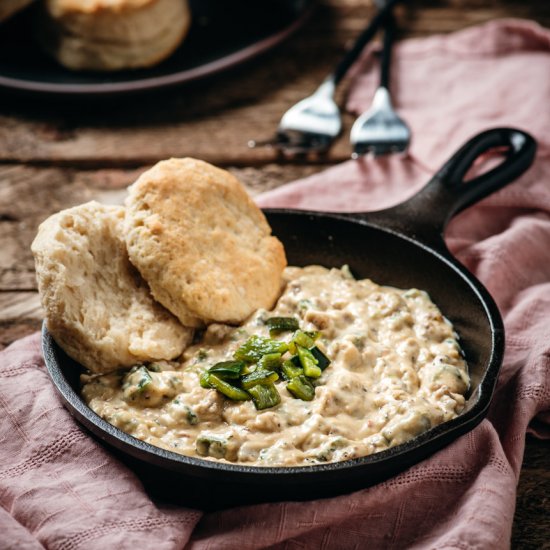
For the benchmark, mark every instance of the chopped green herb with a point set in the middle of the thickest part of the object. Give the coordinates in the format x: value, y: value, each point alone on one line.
x: 264, y: 397
x: 259, y: 376
x: 301, y: 388
x: 207, y: 445
x: 145, y: 379
x: 192, y: 418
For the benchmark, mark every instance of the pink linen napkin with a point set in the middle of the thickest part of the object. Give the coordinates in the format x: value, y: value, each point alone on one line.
x: 61, y: 490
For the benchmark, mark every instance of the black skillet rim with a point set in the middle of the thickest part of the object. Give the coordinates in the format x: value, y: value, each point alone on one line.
x: 202, y: 467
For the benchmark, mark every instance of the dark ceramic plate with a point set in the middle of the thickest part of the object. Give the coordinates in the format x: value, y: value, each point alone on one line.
x: 402, y: 247
x: 224, y: 33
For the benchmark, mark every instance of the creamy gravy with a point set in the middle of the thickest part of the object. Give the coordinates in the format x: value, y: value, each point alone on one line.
x: 396, y: 371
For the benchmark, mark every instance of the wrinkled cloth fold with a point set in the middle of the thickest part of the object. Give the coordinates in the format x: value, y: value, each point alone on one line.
x: 60, y: 489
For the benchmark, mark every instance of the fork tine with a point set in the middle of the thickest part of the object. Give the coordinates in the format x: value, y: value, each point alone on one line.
x: 317, y: 117
x: 380, y: 130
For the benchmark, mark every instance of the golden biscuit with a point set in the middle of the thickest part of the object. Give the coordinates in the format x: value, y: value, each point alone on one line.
x: 201, y: 243
x: 108, y: 35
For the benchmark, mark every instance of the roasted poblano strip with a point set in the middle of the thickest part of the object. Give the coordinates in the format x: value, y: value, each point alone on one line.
x: 237, y: 394
x: 264, y: 397
x: 270, y: 361
x: 257, y: 346
x: 322, y: 360
x: 204, y: 380
x: 228, y: 369
x: 208, y: 445
x: 309, y: 363
x: 290, y: 369
x: 304, y: 339
x: 301, y: 388
x: 259, y: 376
x: 259, y: 363
x: 281, y: 324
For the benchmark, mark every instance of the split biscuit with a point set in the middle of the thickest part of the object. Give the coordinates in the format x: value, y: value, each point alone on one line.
x: 110, y: 35
x: 98, y: 309
x: 201, y: 243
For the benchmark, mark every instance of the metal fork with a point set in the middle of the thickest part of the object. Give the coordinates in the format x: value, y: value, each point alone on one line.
x: 379, y: 130
x: 312, y: 125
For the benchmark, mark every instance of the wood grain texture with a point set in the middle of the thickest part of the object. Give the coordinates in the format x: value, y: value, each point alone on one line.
x: 29, y: 194
x: 57, y: 154
x: 531, y: 523
x: 214, y: 119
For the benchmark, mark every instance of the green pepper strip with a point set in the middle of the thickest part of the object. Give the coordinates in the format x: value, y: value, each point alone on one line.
x: 205, y: 380
x: 301, y: 388
x: 227, y: 389
x: 271, y: 361
x: 281, y: 324
x: 227, y: 369
x: 290, y: 369
x: 308, y: 362
x: 257, y: 346
x: 264, y: 397
x: 304, y: 339
x: 259, y: 376
x: 322, y: 360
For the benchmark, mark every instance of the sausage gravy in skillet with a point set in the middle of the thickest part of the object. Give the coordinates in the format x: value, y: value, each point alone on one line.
x: 396, y: 370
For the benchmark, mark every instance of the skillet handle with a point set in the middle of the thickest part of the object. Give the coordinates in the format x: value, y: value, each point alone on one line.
x: 426, y: 214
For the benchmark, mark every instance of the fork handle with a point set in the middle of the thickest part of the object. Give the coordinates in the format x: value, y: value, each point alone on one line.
x: 362, y: 40
x: 385, y: 62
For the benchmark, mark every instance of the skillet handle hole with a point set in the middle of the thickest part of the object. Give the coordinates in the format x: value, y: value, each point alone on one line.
x: 486, y: 162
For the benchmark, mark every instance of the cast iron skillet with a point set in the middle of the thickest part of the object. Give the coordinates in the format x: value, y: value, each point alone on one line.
x: 401, y: 246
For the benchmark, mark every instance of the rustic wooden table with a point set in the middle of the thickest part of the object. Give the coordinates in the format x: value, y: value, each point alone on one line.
x: 55, y: 155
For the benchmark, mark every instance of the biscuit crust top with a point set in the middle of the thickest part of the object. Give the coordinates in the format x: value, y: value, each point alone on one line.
x: 203, y: 246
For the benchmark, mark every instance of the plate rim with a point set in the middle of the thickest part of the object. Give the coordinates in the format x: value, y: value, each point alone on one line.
x: 226, y: 62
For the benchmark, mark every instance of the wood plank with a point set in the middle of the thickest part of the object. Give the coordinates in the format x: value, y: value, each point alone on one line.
x: 214, y: 119
x: 531, y: 523
x: 28, y: 195
x: 20, y: 314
